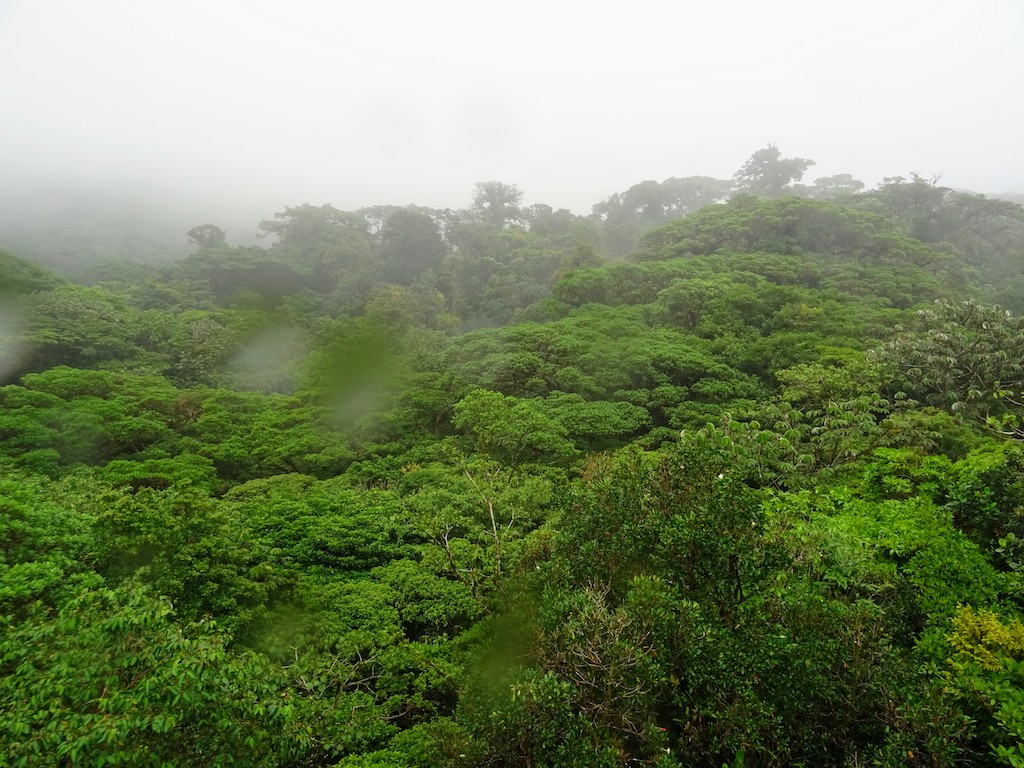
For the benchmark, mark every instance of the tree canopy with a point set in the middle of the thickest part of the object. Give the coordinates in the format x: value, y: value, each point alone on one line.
x: 724, y: 473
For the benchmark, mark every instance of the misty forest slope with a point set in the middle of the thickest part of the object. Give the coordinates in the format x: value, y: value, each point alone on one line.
x: 727, y: 473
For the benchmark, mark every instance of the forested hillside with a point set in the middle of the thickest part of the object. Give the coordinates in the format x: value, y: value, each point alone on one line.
x: 729, y: 472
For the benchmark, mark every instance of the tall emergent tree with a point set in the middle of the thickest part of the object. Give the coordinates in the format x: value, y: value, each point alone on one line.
x: 206, y: 236
x: 767, y: 174
x: 496, y: 202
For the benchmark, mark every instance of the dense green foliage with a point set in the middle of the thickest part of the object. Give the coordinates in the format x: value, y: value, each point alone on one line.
x: 411, y: 487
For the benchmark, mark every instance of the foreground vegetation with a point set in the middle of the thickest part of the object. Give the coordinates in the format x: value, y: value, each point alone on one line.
x: 684, y: 483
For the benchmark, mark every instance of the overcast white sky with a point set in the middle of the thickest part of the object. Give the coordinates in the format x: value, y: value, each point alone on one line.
x: 394, y: 101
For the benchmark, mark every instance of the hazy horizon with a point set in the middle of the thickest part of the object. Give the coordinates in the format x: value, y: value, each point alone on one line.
x: 233, y: 107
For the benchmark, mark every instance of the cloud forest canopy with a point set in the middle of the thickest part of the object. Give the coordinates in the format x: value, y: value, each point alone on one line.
x: 726, y: 473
